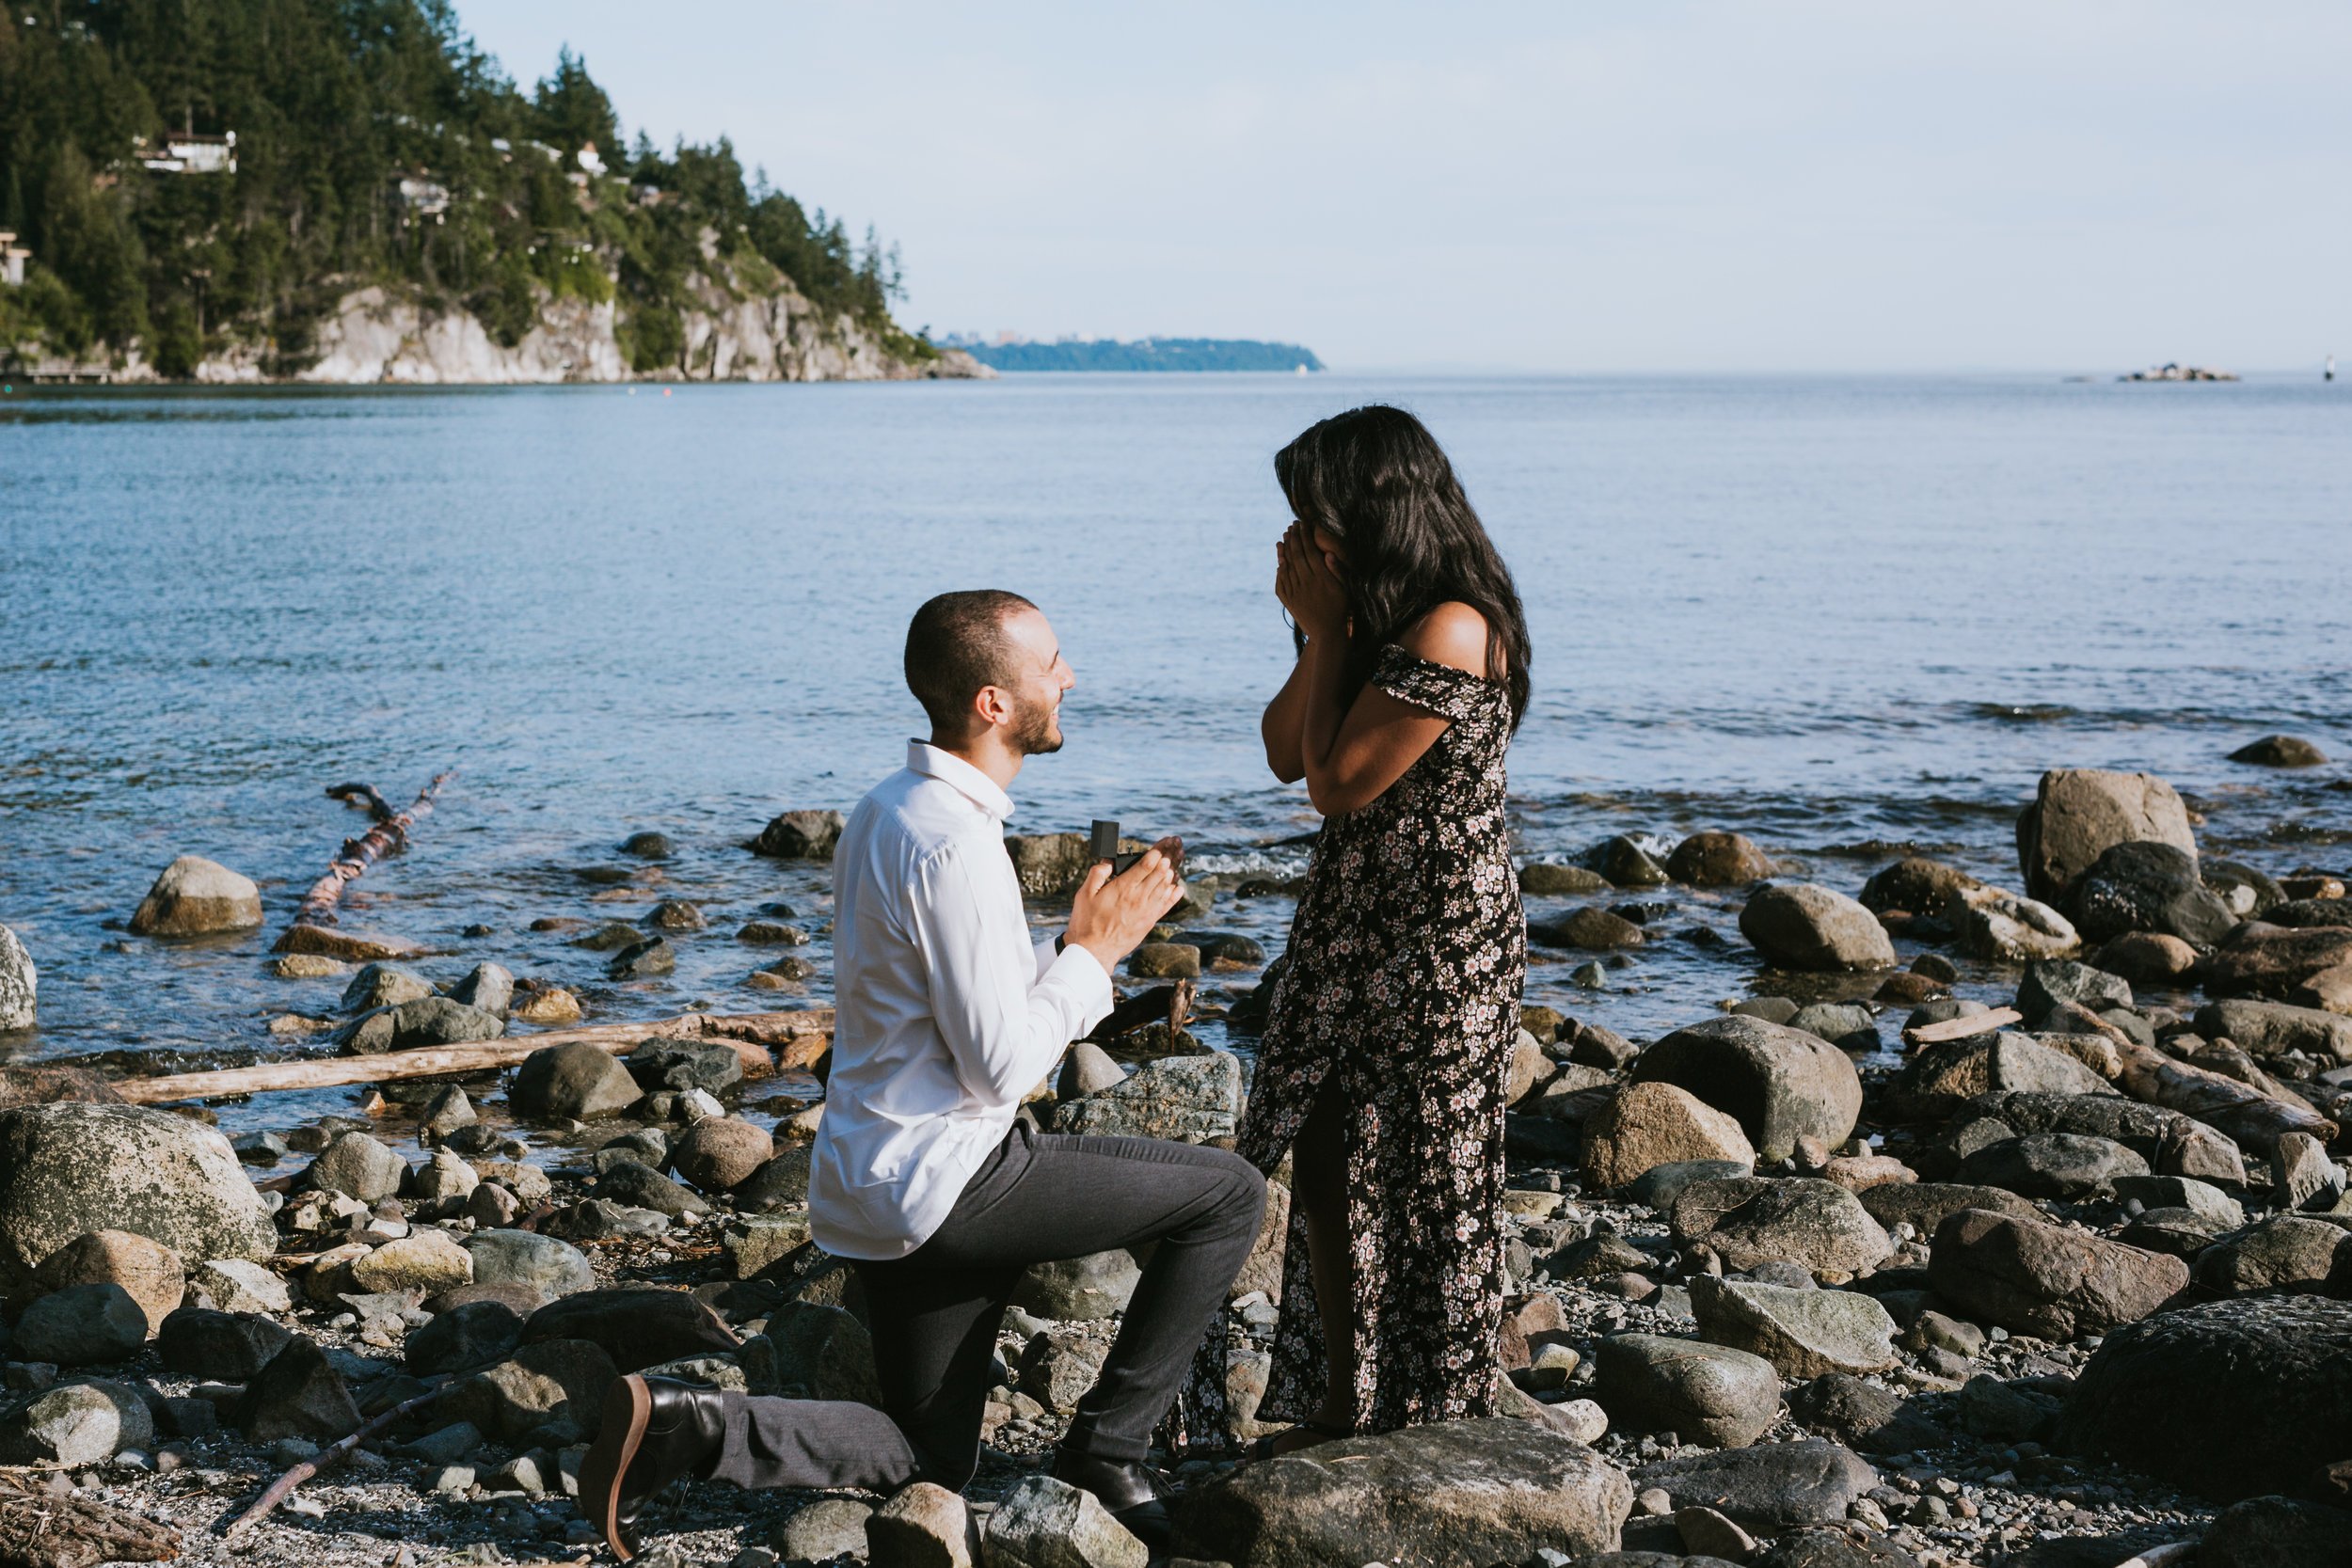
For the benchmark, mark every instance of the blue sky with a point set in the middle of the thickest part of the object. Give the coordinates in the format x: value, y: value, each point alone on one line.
x: 1811, y: 185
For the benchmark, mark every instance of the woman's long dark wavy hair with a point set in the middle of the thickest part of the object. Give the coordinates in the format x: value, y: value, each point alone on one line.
x: 1374, y: 479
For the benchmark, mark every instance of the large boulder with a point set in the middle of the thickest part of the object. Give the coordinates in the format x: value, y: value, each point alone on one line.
x: 721, y: 1152
x: 2286, y: 1252
x: 20, y: 984
x: 1770, y: 1487
x: 1646, y: 1125
x: 358, y: 1166
x: 527, y: 1258
x: 78, y: 1424
x: 1496, y: 1490
x: 2002, y: 928
x: 82, y: 1325
x: 1925, y: 1205
x: 549, y: 1393
x: 148, y: 1271
x: 1045, y: 1523
x: 1916, y: 886
x: 2173, y: 1143
x: 1718, y: 860
x: 801, y: 835
x: 425, y: 1260
x: 2079, y: 813
x: 298, y: 1394
x: 69, y: 1169
x: 2068, y: 1165
x: 1939, y: 1079
x: 2258, y: 958
x: 1185, y: 1099
x: 420, y: 1021
x: 2232, y: 1399
x: 2277, y: 1533
x: 1780, y: 1084
x: 2274, y: 1028
x: 571, y: 1083
x: 2148, y: 887
x: 471, y: 1334
x: 1817, y: 1225
x: 2045, y: 1279
x: 1079, y: 1290
x: 1702, y: 1393
x: 1803, y: 926
x: 1803, y: 1333
x: 194, y: 897
x: 637, y: 1327
x: 222, y: 1347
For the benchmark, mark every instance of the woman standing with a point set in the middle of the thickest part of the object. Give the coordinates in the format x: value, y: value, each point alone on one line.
x: 1388, y: 1042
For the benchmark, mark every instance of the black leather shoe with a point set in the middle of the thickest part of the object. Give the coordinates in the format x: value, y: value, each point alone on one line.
x: 654, y: 1430
x: 1127, y: 1488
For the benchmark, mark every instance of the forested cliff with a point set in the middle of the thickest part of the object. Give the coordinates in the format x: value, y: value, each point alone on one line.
x: 349, y: 190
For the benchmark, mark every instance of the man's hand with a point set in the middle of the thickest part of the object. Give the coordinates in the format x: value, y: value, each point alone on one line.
x: 1111, y: 915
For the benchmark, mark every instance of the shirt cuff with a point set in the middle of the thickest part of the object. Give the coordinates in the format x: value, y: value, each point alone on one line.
x: 1088, y: 982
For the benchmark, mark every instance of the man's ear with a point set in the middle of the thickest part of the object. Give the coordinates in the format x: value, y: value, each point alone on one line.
x: 993, y: 705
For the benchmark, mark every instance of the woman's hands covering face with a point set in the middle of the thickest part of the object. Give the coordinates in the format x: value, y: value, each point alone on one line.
x: 1311, y: 584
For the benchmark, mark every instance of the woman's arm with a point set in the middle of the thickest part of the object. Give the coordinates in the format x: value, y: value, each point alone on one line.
x: 1352, y: 750
x: 1284, y: 722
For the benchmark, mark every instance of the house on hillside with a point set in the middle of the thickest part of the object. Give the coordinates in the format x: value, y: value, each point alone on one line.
x: 13, y: 260
x: 184, y: 152
x: 422, y: 195
x: 590, y: 160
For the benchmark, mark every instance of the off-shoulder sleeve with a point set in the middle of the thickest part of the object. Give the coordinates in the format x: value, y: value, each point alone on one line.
x: 1439, y: 687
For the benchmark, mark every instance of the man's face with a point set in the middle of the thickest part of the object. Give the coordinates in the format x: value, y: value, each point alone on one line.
x: 1040, y: 675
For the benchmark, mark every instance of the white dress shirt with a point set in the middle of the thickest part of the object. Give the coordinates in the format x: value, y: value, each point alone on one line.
x: 945, y: 1014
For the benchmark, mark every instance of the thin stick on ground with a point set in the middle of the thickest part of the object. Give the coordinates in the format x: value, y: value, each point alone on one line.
x: 387, y: 835
x: 283, y: 1487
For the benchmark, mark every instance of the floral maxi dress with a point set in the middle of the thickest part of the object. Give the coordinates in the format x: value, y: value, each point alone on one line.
x: 1401, y: 995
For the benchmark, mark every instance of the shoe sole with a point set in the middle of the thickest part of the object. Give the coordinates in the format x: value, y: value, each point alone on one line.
x: 627, y: 1410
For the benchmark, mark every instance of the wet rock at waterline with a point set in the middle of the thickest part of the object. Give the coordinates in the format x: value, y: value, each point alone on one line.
x: 20, y: 984
x: 194, y: 896
x: 801, y: 835
x: 2079, y: 813
x: 1802, y: 925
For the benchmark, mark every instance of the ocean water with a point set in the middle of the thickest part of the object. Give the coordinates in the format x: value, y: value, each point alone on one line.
x: 1841, y: 615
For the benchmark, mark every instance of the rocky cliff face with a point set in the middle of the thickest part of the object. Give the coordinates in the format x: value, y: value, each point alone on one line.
x: 382, y: 335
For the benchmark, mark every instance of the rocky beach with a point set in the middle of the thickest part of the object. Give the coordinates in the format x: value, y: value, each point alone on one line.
x: 2002, y: 1222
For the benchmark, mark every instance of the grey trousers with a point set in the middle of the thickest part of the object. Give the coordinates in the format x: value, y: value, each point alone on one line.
x: 935, y: 1313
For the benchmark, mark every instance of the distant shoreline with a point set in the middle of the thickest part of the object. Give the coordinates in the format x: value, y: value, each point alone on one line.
x: 1185, y: 356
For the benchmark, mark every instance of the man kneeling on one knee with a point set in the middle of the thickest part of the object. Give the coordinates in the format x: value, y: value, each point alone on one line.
x: 947, y: 1017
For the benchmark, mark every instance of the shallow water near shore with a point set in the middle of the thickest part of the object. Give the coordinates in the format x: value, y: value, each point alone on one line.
x: 1845, y: 616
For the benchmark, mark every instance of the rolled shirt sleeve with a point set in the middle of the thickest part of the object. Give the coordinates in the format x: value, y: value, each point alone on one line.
x: 1004, y: 1022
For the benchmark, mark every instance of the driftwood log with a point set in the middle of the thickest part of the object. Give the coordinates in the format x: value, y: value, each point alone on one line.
x: 385, y: 835
x: 40, y: 1528
x: 797, y: 1040
x: 2251, y: 1118
x: 1967, y: 1026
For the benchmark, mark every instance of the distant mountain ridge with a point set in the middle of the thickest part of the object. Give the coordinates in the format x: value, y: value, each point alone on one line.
x: 1144, y: 353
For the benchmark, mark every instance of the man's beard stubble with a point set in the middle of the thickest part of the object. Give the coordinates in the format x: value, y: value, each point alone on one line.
x: 1035, y: 733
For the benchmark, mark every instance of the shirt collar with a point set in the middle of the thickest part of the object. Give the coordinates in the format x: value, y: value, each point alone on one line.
x: 928, y: 759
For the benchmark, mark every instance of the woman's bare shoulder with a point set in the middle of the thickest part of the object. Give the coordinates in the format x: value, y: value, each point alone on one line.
x: 1453, y: 634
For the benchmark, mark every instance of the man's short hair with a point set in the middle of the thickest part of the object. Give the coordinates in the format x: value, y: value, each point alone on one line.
x: 956, y: 645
